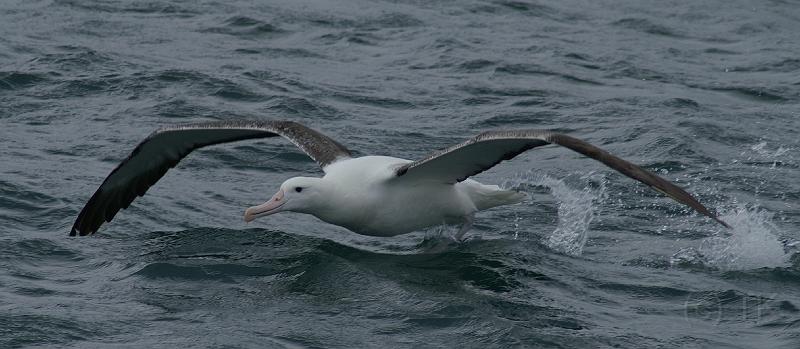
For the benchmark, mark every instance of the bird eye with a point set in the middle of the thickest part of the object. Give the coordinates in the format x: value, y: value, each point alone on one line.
x: 298, y: 189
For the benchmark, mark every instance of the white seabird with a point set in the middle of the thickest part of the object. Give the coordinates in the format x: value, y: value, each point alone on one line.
x: 369, y: 195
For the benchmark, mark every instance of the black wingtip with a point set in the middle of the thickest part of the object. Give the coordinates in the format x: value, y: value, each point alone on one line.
x: 77, y: 232
x: 726, y: 225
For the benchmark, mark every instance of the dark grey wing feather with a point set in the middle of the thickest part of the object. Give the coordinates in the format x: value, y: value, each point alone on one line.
x: 163, y: 149
x: 487, y: 149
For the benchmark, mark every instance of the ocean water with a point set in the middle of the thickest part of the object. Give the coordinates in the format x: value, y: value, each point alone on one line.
x: 704, y: 93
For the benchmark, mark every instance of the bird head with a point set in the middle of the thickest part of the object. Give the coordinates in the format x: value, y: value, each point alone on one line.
x: 298, y: 194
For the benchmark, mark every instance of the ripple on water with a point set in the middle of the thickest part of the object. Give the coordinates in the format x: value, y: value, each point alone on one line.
x: 146, y: 7
x: 785, y: 65
x: 682, y: 103
x: 371, y: 100
x: 246, y: 28
x: 475, y: 65
x: 30, y: 329
x: 275, y: 52
x: 297, y: 106
x: 528, y: 8
x: 535, y: 69
x: 734, y: 307
x: 35, y: 250
x: 540, y: 119
x: 759, y: 94
x: 16, y: 80
x: 505, y: 91
x: 646, y: 26
x: 79, y: 59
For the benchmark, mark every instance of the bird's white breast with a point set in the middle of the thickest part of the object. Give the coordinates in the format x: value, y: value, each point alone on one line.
x: 365, y: 198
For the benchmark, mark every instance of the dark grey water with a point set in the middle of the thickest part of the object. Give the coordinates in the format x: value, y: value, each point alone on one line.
x: 706, y: 93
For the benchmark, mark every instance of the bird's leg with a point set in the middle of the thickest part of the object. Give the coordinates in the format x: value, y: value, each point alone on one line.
x: 465, y: 227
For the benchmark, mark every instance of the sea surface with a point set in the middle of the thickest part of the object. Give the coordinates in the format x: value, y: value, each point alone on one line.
x: 705, y: 93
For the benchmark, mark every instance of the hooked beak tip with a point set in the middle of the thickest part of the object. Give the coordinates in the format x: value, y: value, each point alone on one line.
x: 248, y: 217
x: 272, y: 206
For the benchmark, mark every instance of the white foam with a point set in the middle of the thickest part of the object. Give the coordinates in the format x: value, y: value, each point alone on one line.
x: 765, y: 152
x: 754, y: 242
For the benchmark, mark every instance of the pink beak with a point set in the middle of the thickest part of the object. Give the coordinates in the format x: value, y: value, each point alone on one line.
x: 272, y: 206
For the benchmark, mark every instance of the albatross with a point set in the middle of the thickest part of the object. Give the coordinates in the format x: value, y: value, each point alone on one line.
x: 369, y: 195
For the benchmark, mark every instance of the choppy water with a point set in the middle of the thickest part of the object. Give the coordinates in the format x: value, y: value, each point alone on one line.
x: 704, y: 93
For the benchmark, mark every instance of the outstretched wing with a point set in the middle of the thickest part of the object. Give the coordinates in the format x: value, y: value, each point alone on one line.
x: 487, y: 149
x: 164, y: 148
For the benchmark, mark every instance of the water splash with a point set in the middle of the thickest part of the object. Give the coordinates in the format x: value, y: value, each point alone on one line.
x: 763, y: 151
x: 576, y: 207
x: 517, y: 218
x: 754, y: 242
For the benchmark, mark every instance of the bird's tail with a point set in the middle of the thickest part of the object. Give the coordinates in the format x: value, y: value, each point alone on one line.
x: 488, y: 196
